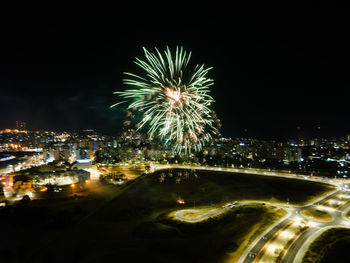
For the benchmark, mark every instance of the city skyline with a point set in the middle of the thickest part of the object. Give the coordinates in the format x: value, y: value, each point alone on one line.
x: 175, y: 135
x: 276, y: 85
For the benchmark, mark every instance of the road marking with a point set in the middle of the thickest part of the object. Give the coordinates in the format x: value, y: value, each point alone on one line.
x: 268, y: 244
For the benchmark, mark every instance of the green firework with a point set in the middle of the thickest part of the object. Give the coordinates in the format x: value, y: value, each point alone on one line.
x: 173, y: 97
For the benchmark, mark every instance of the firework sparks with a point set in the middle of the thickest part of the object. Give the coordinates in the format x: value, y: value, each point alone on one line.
x: 173, y: 98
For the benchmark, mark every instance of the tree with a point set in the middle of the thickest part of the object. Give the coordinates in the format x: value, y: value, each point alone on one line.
x: 25, y: 199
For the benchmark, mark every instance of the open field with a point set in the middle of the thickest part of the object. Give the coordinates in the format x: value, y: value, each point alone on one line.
x: 129, y: 172
x: 232, y: 229
x: 26, y: 228
x: 219, y: 188
x: 137, y: 228
x: 331, y: 246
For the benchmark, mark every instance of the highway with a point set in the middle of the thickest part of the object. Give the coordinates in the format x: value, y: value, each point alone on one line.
x: 286, y: 240
x: 296, y: 246
x: 333, y: 204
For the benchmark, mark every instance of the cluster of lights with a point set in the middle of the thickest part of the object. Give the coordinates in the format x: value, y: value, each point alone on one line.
x: 13, y: 131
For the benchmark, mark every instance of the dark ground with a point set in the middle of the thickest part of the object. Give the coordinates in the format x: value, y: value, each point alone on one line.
x: 331, y: 246
x: 133, y: 226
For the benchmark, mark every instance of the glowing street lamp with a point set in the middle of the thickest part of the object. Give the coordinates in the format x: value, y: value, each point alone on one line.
x: 71, y: 187
x: 181, y: 201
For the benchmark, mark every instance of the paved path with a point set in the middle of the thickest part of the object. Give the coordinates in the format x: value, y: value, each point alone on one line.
x: 202, y: 214
x: 336, y: 203
x: 337, y: 182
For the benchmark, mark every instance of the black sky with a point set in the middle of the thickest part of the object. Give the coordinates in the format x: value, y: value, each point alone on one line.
x: 272, y: 73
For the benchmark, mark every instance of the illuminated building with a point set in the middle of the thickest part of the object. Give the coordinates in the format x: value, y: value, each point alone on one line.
x: 21, y: 125
x: 83, y: 153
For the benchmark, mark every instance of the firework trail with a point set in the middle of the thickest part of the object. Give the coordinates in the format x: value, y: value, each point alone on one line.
x: 173, y: 98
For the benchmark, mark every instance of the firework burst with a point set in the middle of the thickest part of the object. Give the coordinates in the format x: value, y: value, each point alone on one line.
x: 173, y: 97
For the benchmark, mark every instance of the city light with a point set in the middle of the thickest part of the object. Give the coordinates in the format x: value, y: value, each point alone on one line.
x: 180, y: 201
x: 110, y: 135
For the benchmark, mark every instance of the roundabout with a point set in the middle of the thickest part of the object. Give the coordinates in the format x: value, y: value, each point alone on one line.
x: 316, y: 215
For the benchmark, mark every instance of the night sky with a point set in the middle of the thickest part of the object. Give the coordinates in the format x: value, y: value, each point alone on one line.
x: 275, y: 77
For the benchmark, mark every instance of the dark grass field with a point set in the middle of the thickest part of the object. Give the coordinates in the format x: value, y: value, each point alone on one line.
x: 219, y: 187
x: 133, y: 227
x: 331, y: 246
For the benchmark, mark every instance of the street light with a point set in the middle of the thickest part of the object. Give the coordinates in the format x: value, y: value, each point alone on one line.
x: 71, y: 187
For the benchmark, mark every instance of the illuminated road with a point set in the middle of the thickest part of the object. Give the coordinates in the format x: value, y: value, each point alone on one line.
x: 264, y: 249
x: 7, y: 158
x: 336, y: 182
x: 288, y: 239
x: 204, y: 213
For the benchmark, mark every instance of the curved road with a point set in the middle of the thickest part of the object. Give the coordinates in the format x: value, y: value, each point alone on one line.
x: 180, y: 214
x: 336, y: 204
x: 205, y: 214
